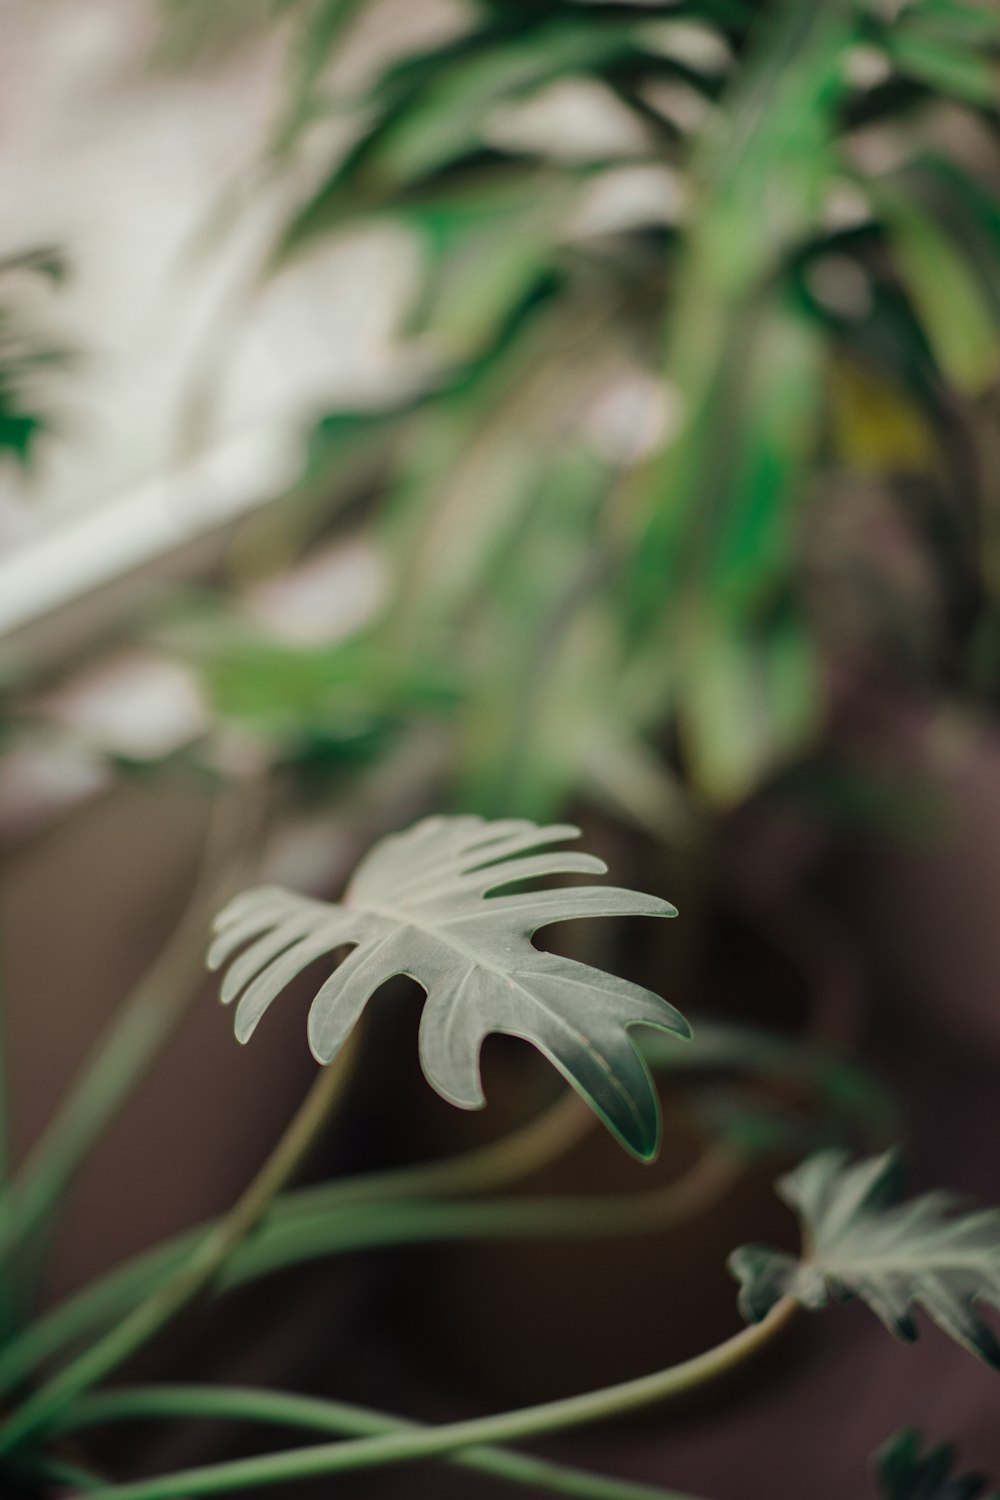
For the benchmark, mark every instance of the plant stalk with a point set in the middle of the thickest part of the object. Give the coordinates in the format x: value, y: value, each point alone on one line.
x: 335, y: 1418
x: 404, y: 1447
x: 8, y: 1299
x: 195, y: 1274
x: 543, y: 1139
x: 125, y: 1050
x: 314, y: 1222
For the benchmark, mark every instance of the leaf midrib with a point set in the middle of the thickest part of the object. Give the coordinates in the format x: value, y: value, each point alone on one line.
x: 408, y: 919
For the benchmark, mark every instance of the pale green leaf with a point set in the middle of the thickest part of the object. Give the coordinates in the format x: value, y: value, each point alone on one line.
x: 944, y: 64
x: 955, y: 313
x: 928, y: 1252
x: 423, y: 903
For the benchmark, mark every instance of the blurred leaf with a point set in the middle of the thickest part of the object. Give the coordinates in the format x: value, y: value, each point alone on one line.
x: 959, y: 322
x: 48, y: 261
x: 895, y: 1257
x: 24, y: 353
x: 773, y: 439
x: 544, y: 644
x: 718, y: 552
x: 714, y: 554
x: 896, y: 802
x: 844, y: 1092
x: 970, y: 21
x: 444, y: 120
x: 948, y: 52
x: 891, y: 343
x: 424, y: 903
x: 192, y: 33
x: 968, y: 210
x: 347, y: 455
x: 526, y: 745
x: 433, y: 107
x: 467, y: 502
x: 625, y: 775
x: 747, y: 705
x: 904, y: 1472
x: 442, y: 565
x: 485, y: 261
x: 760, y: 1128
x: 342, y: 703
x: 822, y: 302
x: 311, y: 51
x: 19, y: 431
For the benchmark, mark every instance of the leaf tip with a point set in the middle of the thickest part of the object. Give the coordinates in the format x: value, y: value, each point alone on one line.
x: 648, y: 1151
x: 680, y: 1026
x: 642, y: 1134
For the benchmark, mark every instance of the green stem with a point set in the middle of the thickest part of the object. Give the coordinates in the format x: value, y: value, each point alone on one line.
x: 123, y: 1052
x: 67, y: 1475
x: 545, y: 1138
x: 403, y: 1447
x: 498, y: 1164
x: 5, y: 1105
x: 312, y: 1236
x: 8, y: 1298
x: 194, y: 1274
x: 314, y: 1222
x: 335, y: 1418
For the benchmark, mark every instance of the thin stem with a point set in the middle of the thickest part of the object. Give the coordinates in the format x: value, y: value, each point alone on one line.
x: 541, y: 1140
x: 545, y: 1138
x: 335, y: 1418
x: 313, y: 1223
x: 126, y: 1048
x: 404, y: 1447
x: 195, y: 1273
x: 8, y: 1298
x: 5, y: 1115
x: 498, y: 1164
x: 605, y: 1216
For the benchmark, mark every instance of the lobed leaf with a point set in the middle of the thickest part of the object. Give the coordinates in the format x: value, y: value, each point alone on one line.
x: 927, y: 1253
x: 430, y: 903
x: 904, y: 1473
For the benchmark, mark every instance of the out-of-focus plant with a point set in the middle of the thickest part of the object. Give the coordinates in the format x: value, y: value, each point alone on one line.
x: 24, y: 354
x: 905, y: 1472
x: 452, y: 903
x: 693, y: 279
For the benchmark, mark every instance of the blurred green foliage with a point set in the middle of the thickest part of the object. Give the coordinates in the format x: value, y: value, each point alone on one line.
x: 906, y: 1471
x: 24, y: 354
x: 319, y: 709
x: 693, y: 277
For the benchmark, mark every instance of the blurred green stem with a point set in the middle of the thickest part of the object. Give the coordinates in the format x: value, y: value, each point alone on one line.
x: 8, y: 1301
x: 197, y: 1271
x: 422, y: 1443
x: 317, y: 1222
x: 126, y: 1048
x: 5, y: 1077
x: 514, y: 1156
x: 335, y: 1418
